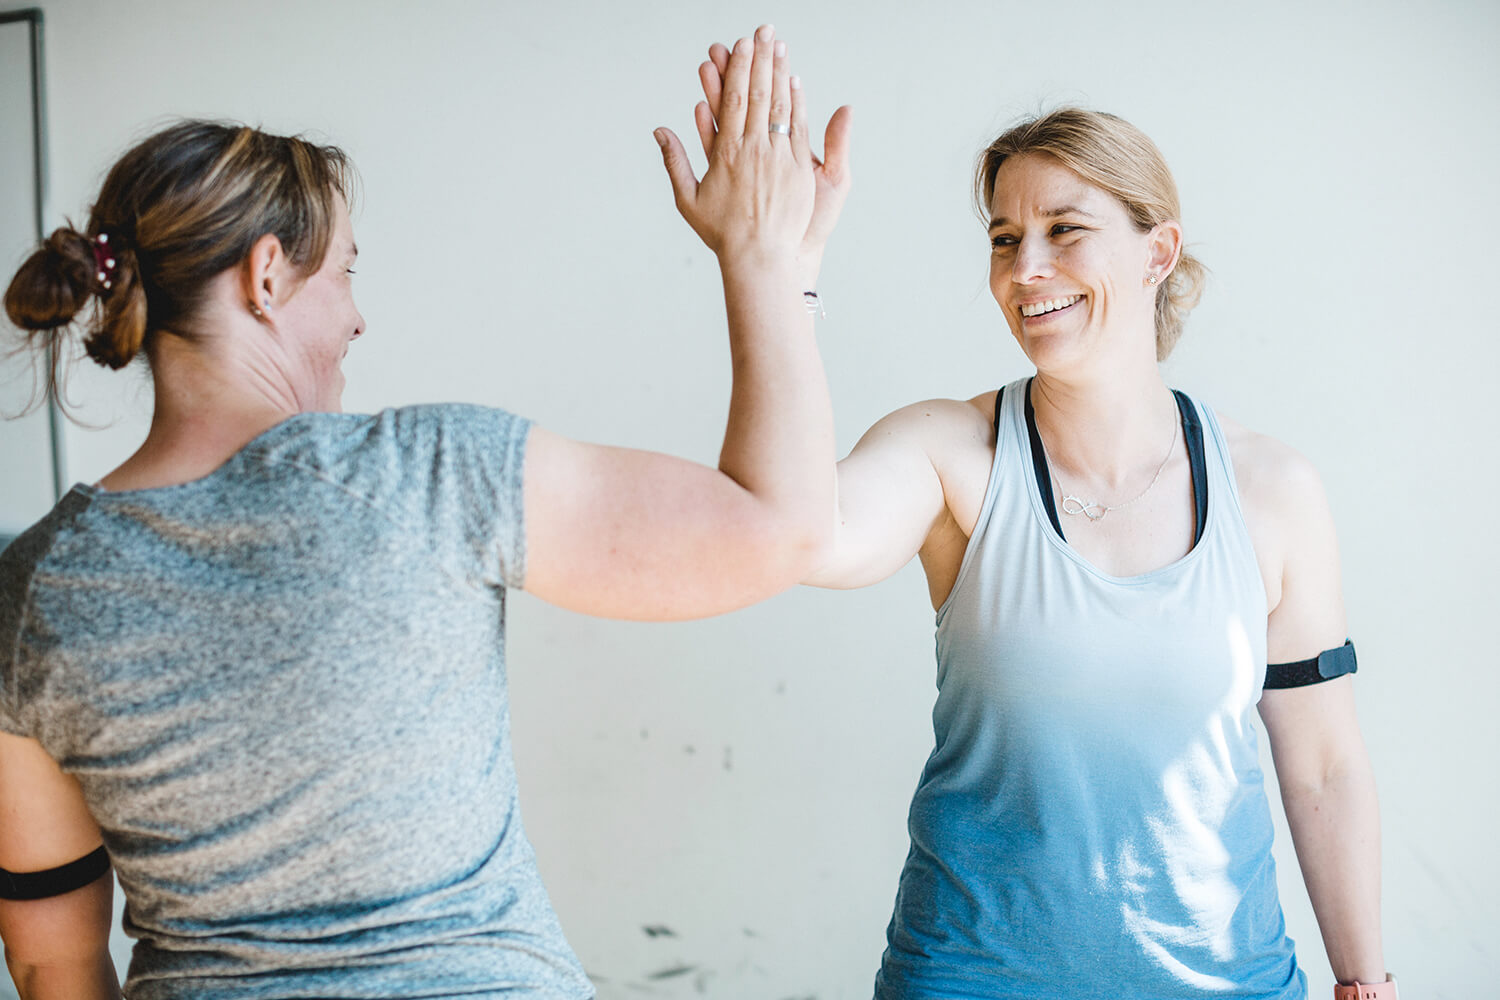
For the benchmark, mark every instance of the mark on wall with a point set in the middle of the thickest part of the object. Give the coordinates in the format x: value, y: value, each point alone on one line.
x: 671, y: 972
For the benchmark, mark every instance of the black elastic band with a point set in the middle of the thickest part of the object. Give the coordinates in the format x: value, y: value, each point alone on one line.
x: 54, y: 881
x: 1192, y: 433
x: 1325, y: 666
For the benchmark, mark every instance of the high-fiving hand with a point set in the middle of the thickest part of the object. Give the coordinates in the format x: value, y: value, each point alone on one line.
x: 764, y: 189
x: 831, y: 172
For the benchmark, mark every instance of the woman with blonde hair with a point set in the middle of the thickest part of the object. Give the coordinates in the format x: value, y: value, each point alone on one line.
x: 1113, y: 567
x: 262, y: 660
x: 1121, y: 576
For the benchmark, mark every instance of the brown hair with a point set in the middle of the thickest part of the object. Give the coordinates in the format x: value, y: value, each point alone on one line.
x: 1115, y: 156
x: 179, y: 208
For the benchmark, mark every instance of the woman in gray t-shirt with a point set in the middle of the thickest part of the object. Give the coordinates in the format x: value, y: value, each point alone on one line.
x: 262, y: 660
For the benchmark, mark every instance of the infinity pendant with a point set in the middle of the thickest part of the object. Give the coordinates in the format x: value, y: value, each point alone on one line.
x: 1085, y: 507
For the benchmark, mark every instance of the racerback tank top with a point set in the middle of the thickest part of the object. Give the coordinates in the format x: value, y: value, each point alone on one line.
x: 1092, y: 819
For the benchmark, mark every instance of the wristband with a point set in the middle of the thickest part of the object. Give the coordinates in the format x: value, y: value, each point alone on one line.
x: 1366, y: 991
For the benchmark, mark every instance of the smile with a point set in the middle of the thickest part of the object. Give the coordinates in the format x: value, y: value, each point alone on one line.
x: 1051, y: 305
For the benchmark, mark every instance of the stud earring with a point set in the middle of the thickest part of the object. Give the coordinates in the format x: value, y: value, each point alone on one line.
x: 1150, y: 279
x: 255, y: 310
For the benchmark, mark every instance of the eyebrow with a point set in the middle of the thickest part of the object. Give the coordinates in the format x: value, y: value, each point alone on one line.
x: 1050, y: 213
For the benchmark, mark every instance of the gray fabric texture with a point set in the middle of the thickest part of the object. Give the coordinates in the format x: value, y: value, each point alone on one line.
x: 282, y: 688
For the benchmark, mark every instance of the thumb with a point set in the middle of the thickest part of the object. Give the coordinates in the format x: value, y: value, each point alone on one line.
x: 836, y: 145
x: 674, y: 158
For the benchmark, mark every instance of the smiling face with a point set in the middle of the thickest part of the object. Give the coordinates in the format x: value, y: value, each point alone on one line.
x: 1068, y: 267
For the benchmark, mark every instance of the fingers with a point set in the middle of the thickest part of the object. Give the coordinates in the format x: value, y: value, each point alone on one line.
x: 718, y: 54
x: 800, y: 148
x: 732, y: 110
x: 679, y: 171
x: 836, y: 145
x: 711, y: 75
x: 781, y: 94
x: 703, y: 117
x: 762, y: 71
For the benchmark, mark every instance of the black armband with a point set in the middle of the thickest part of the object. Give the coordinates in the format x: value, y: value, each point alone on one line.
x: 54, y: 881
x: 1325, y: 666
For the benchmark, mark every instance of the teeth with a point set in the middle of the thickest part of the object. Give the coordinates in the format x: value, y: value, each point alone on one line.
x: 1051, y: 305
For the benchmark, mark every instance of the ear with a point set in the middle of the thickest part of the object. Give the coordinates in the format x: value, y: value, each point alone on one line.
x: 266, y: 277
x: 1164, y: 247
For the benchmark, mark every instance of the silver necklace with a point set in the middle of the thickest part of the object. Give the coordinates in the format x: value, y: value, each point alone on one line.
x: 1092, y: 509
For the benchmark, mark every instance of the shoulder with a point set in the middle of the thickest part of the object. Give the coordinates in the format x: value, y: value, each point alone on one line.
x: 20, y: 563
x: 1284, y: 501
x: 938, y: 424
x: 20, y: 559
x: 1273, y: 477
x: 401, y: 441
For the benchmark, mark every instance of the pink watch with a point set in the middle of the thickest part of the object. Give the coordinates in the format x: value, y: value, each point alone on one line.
x: 1366, y: 991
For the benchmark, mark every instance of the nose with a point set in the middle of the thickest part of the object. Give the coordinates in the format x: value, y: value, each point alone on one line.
x: 359, y: 326
x: 1033, y: 261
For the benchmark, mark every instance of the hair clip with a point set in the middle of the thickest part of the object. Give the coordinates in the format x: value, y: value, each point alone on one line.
x: 103, y: 260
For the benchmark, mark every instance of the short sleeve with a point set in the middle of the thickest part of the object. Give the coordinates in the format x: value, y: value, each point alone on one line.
x: 462, y: 472
x: 16, y: 568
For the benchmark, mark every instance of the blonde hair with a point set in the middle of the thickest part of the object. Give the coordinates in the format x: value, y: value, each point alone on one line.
x: 1114, y: 156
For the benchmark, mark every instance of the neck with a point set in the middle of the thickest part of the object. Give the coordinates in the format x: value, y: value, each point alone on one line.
x: 208, y: 406
x: 1104, y: 430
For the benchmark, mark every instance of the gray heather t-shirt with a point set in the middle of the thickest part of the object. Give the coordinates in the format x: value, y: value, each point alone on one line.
x: 282, y: 688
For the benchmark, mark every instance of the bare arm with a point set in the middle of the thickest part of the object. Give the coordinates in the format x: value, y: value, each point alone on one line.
x: 58, y: 948
x: 1327, y: 785
x: 635, y: 534
x: 890, y: 495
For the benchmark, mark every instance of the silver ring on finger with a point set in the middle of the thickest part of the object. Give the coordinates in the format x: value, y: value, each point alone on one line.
x: 779, y: 128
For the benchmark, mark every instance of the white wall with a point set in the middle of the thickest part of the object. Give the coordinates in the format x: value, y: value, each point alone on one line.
x: 744, y: 780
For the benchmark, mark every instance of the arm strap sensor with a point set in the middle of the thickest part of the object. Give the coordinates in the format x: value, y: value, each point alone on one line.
x: 54, y: 881
x: 1325, y: 666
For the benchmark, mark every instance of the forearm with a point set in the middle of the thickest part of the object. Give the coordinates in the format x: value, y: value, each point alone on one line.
x: 1335, y: 828
x: 778, y: 443
x: 57, y: 948
x: 85, y: 978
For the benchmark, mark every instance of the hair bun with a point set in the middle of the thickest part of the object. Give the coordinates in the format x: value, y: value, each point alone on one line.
x: 55, y: 282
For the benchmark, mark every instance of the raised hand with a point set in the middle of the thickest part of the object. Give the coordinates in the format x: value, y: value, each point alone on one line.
x: 758, y: 192
x: 831, y: 172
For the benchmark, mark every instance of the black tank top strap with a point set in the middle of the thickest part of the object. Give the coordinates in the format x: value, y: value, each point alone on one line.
x: 1039, y: 464
x: 1192, y: 433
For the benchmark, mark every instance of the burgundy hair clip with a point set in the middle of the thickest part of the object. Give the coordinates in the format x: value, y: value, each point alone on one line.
x: 104, y: 260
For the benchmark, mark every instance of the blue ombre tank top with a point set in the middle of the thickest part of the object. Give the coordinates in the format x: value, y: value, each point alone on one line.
x: 1092, y: 819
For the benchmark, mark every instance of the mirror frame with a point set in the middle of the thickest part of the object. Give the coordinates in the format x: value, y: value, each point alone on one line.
x: 32, y: 18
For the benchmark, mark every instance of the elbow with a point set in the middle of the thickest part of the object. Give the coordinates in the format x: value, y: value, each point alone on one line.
x: 810, y: 542
x: 85, y: 978
x: 1333, y: 780
x: 787, y: 550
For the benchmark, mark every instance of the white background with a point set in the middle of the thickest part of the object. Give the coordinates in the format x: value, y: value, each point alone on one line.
x: 743, y: 781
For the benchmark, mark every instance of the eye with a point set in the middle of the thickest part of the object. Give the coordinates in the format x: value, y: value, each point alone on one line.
x: 1002, y: 242
x: 1063, y: 228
